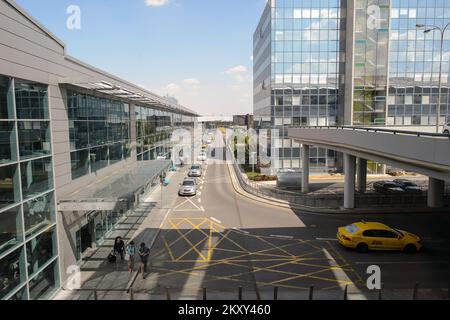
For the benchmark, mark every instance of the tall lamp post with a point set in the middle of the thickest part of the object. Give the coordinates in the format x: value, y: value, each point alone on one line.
x: 428, y: 29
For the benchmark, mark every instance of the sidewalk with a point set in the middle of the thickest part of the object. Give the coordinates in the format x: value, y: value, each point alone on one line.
x: 142, y: 225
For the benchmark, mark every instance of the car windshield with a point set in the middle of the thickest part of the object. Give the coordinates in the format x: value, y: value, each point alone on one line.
x: 398, y: 232
x: 391, y: 185
x: 409, y: 184
x: 352, y: 229
x: 195, y: 167
x: 188, y: 183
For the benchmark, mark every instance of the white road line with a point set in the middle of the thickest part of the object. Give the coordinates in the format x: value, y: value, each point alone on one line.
x: 216, y: 220
x: 327, y: 239
x: 401, y: 262
x: 202, y: 209
x: 240, y: 230
x: 199, y: 200
x: 282, y: 237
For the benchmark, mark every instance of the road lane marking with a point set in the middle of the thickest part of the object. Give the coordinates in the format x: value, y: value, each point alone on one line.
x: 216, y: 220
x: 282, y: 237
x: 327, y: 239
x: 240, y: 230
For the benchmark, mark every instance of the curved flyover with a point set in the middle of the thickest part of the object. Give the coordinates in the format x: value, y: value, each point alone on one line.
x: 424, y: 153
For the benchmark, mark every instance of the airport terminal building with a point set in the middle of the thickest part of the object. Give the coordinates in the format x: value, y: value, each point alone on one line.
x: 78, y: 147
x: 348, y: 62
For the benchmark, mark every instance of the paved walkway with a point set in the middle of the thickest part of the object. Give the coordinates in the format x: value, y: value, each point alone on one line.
x: 143, y: 225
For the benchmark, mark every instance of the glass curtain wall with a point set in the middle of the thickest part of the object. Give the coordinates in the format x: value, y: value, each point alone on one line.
x: 414, y: 63
x: 27, y: 214
x: 154, y: 129
x: 99, y: 132
x: 370, y: 62
x: 305, y: 73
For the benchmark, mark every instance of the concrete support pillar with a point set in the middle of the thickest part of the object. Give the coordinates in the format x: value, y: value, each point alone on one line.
x: 362, y: 175
x: 349, y: 187
x: 436, y: 189
x: 305, y: 168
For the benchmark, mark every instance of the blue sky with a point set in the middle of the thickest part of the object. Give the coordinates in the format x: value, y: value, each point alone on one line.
x: 196, y: 50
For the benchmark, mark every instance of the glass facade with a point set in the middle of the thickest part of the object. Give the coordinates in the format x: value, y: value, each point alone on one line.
x: 27, y: 212
x: 99, y: 132
x: 304, y: 74
x: 370, y: 62
x: 154, y: 129
x: 300, y: 51
x: 414, y: 63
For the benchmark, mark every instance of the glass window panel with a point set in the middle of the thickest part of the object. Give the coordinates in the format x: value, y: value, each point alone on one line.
x: 34, y: 138
x: 38, y: 214
x: 45, y: 283
x: 80, y: 163
x: 40, y: 250
x: 31, y: 100
x: 37, y: 176
x: 99, y: 158
x: 115, y: 153
x: 12, y: 272
x: 6, y: 98
x: 8, y: 152
x: 9, y: 185
x: 10, y: 229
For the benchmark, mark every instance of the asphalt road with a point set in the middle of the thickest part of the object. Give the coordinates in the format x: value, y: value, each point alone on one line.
x: 221, y: 240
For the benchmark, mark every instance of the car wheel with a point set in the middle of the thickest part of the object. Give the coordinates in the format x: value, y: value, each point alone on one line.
x: 446, y: 132
x: 363, y: 248
x: 410, y: 248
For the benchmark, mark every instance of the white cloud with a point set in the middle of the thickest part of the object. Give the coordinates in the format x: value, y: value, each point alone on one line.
x: 156, y: 3
x: 191, y: 82
x: 237, y: 70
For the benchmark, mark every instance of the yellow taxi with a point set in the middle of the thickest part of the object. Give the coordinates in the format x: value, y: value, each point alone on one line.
x: 364, y: 236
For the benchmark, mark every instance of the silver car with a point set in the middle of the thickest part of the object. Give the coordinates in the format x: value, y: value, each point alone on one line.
x: 195, y: 171
x: 188, y: 187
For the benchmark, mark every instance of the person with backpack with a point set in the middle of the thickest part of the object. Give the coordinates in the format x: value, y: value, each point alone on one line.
x: 144, y: 253
x: 119, y: 247
x: 131, y: 253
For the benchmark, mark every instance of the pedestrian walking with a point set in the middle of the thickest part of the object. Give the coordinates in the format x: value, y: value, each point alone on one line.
x: 130, y: 255
x: 144, y: 253
x: 119, y: 247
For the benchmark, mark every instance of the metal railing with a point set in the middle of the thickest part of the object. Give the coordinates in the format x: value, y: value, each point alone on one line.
x: 378, y: 130
x: 347, y: 292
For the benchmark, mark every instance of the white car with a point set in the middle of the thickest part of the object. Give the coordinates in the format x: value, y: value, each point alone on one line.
x: 447, y: 128
x: 202, y: 156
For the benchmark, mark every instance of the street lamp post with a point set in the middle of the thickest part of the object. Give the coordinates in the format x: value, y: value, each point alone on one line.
x: 428, y: 29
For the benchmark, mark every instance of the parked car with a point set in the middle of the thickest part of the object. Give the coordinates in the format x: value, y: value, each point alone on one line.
x: 365, y: 236
x: 289, y: 179
x: 195, y: 171
x: 188, y: 187
x: 446, y: 128
x: 387, y: 187
x: 408, y: 186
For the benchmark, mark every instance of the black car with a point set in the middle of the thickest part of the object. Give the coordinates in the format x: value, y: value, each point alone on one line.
x: 387, y: 187
x: 408, y: 186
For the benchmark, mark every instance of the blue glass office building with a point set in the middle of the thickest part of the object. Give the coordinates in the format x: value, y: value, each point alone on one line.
x: 347, y: 62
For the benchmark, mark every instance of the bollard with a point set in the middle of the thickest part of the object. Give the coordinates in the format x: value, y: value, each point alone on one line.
x: 311, y: 292
x: 415, y: 292
x: 275, y: 293
x: 240, y: 293
x: 95, y: 295
x: 204, y: 294
x: 346, y: 292
x: 131, y: 294
x: 168, y: 293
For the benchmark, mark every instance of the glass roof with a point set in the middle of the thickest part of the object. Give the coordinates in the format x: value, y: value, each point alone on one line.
x: 121, y: 184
